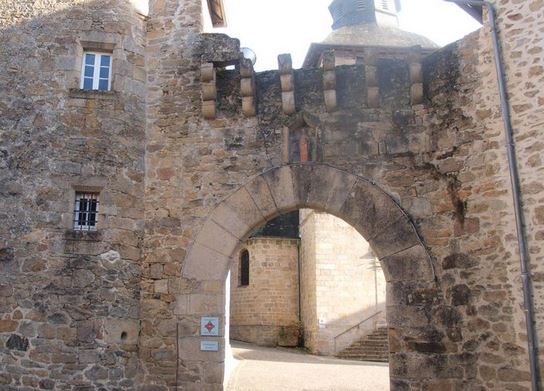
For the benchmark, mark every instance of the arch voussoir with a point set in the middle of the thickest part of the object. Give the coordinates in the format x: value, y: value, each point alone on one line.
x: 280, y: 183
x: 203, y: 263
x: 217, y: 238
x: 243, y: 203
x: 370, y: 210
x: 411, y: 264
x: 259, y: 191
x: 230, y: 221
x: 394, y: 238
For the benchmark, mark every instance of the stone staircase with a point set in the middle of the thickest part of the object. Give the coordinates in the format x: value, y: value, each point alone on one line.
x: 372, y: 347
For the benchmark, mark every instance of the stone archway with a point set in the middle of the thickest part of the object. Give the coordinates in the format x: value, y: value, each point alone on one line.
x: 417, y: 318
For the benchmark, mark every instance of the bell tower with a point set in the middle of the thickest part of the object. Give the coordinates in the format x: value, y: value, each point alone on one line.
x: 356, y: 12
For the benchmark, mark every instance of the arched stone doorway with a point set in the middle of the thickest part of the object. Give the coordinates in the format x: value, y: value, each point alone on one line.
x: 417, y: 316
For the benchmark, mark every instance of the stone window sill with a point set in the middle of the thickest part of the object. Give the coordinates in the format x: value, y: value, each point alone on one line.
x: 84, y: 236
x: 92, y: 94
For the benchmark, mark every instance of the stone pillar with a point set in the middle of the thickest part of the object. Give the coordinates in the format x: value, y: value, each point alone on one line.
x: 209, y: 90
x: 173, y: 98
x: 329, y: 81
x: 416, y: 77
x: 372, y: 84
x: 287, y: 83
x: 247, y: 88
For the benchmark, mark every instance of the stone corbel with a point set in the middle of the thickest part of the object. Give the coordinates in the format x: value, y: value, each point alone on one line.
x: 209, y: 90
x: 247, y: 87
x: 329, y: 80
x: 287, y: 83
x: 416, y: 77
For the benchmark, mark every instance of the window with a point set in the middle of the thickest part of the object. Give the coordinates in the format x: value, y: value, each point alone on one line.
x: 96, y: 71
x: 85, y: 211
x: 385, y: 5
x: 244, y: 268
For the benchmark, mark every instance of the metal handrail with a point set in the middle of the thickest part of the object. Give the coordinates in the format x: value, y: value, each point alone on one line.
x: 356, y: 326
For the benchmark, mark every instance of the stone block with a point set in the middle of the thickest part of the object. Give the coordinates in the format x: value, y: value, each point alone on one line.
x: 412, y: 264
x: 121, y: 331
x: 216, y: 237
x: 370, y: 209
x: 198, y: 261
x: 285, y: 63
x: 280, y: 183
x: 203, y: 304
x: 7, y: 326
x: 399, y: 236
x: 398, y: 316
x: 218, y: 48
x: 412, y: 293
x: 17, y: 342
x: 213, y: 372
x: 230, y: 221
x: 302, y: 179
x: 160, y: 286
x: 259, y: 190
x: 245, y: 207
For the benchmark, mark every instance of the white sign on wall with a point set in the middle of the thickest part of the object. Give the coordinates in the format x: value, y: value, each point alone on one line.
x: 209, y: 346
x: 209, y: 326
x: 322, y: 323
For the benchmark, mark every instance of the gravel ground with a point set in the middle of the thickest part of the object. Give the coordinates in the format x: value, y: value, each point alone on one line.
x: 278, y: 369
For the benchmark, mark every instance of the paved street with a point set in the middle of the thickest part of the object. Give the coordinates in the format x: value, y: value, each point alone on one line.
x: 278, y: 369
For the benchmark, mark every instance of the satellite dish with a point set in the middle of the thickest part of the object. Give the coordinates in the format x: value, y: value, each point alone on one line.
x: 249, y: 54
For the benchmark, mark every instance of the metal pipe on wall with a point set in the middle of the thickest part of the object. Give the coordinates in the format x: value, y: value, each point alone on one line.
x: 516, y: 191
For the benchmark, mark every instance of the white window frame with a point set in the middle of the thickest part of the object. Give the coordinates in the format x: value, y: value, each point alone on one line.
x: 77, y: 210
x: 386, y: 5
x: 96, y: 69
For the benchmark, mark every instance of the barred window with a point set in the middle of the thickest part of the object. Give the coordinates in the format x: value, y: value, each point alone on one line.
x: 244, y: 268
x: 85, y: 211
x: 96, y: 71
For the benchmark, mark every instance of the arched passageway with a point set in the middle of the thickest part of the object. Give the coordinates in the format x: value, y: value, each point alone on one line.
x: 417, y: 317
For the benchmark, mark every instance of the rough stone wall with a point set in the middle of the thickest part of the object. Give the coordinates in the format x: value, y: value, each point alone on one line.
x: 270, y: 301
x: 481, y: 274
x: 521, y: 30
x: 69, y: 301
x: 348, y: 282
x: 443, y: 162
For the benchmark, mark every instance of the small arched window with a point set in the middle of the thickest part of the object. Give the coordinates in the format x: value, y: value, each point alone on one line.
x: 244, y: 268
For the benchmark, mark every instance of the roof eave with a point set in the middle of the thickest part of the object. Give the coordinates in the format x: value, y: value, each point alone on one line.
x: 217, y: 13
x: 475, y: 11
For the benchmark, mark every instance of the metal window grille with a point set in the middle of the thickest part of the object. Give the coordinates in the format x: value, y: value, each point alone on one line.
x: 85, y: 211
x: 244, y: 268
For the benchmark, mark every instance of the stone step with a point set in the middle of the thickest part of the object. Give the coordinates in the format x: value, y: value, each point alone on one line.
x: 370, y: 343
x: 372, y: 347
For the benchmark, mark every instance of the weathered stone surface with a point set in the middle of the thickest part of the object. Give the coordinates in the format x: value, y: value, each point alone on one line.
x: 373, y: 211
x: 409, y: 265
x: 218, y: 48
x: 161, y: 170
x: 16, y: 342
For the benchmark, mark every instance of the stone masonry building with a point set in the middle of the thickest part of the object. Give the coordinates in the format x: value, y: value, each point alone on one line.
x: 133, y: 165
x: 324, y: 284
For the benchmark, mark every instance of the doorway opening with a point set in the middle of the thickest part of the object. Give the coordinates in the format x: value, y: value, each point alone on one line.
x: 306, y: 289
